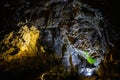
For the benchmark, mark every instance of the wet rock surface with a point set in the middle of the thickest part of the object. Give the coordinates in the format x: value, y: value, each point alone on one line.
x: 55, y: 39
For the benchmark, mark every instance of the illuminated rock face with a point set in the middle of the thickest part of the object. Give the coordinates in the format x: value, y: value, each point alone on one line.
x: 84, y: 39
x: 76, y: 35
x: 19, y: 45
x: 70, y: 35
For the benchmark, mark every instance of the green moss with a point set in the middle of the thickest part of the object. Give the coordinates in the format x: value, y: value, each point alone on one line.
x: 89, y: 59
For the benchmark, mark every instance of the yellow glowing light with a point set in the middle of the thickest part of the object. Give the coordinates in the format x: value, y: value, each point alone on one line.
x: 24, y: 43
x: 42, y: 49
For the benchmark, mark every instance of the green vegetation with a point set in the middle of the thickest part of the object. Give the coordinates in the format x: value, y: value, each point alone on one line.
x: 89, y: 59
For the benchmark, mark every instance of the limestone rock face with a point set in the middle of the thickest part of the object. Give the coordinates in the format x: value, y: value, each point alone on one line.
x: 70, y: 30
x: 66, y: 42
x: 18, y: 45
